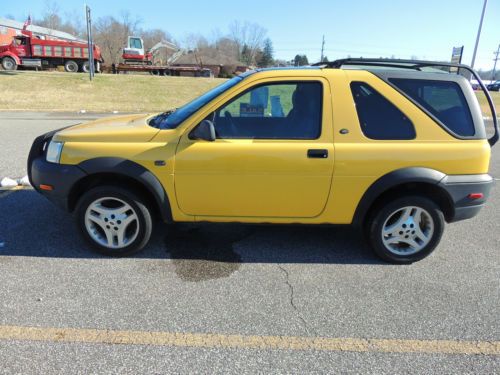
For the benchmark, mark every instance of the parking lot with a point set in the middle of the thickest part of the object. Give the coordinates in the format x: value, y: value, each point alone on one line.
x: 236, y: 298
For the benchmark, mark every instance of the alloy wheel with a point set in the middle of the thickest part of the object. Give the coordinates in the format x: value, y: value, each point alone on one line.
x: 112, y: 222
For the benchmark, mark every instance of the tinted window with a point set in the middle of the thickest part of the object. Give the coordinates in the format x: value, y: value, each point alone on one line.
x: 378, y: 117
x: 291, y: 110
x: 443, y: 99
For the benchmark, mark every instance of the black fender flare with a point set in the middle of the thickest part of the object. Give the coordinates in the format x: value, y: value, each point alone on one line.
x: 137, y: 172
x: 391, y: 180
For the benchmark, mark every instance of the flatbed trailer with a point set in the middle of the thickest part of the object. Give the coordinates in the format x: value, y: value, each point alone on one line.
x: 162, y: 70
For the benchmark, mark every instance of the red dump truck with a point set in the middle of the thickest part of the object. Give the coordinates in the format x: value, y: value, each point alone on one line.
x: 27, y: 50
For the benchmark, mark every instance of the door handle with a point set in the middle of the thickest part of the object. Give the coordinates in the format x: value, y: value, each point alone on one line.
x: 317, y: 154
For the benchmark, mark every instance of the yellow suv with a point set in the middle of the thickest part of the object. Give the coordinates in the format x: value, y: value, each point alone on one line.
x: 396, y: 147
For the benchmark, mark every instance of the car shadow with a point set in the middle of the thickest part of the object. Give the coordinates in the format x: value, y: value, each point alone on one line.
x: 31, y: 226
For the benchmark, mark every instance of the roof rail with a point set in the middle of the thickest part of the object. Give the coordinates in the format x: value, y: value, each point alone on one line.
x: 417, y: 65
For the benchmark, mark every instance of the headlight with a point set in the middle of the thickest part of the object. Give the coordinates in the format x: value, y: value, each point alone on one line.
x: 54, y: 151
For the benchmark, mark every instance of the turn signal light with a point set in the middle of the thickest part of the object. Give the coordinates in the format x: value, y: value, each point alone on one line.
x: 47, y: 187
x: 476, y: 195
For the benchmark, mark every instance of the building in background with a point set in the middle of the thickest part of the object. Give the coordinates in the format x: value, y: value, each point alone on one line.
x: 11, y: 28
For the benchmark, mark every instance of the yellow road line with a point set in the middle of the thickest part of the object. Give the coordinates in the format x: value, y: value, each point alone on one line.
x: 204, y: 340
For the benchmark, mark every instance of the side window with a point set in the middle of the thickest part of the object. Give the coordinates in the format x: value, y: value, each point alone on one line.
x: 135, y: 43
x: 378, y: 117
x: 443, y: 99
x: 291, y: 110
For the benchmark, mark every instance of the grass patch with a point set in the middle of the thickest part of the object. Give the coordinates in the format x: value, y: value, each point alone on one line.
x: 53, y: 91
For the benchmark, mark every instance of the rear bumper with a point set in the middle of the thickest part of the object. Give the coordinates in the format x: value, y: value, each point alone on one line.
x: 459, y: 189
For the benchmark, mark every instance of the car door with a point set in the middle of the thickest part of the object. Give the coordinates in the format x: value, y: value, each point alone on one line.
x: 272, y: 157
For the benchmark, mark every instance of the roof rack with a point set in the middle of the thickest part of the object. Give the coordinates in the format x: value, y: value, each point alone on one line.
x: 417, y: 65
x: 394, y: 63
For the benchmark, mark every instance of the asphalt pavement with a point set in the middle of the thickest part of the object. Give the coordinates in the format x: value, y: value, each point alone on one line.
x: 236, y: 298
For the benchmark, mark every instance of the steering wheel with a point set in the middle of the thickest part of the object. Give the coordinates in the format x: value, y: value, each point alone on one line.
x: 232, y: 126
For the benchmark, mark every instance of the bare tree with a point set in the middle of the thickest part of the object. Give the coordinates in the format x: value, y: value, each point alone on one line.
x: 249, y: 38
x: 51, y: 18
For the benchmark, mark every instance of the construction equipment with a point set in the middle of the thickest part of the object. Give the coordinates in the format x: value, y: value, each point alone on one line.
x: 136, y: 59
x: 135, y: 53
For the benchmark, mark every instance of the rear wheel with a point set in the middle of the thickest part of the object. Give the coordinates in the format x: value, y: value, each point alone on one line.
x: 86, y: 67
x: 115, y: 221
x: 70, y: 66
x: 8, y: 63
x: 406, y: 230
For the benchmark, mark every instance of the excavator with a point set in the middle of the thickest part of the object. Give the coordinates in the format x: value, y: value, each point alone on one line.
x: 135, y: 53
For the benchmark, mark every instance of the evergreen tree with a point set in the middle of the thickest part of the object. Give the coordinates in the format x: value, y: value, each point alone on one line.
x: 267, y: 59
x: 301, y: 60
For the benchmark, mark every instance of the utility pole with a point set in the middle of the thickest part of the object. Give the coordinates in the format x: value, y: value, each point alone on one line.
x: 478, y: 34
x: 496, y: 60
x: 323, y: 49
x: 90, y: 42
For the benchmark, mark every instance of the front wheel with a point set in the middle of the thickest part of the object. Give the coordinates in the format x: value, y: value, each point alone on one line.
x: 115, y: 221
x: 406, y: 230
x: 8, y: 63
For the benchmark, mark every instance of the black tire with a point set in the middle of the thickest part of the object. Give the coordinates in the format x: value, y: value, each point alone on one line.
x: 145, y: 221
x: 8, y: 63
x: 70, y: 66
x: 379, y: 217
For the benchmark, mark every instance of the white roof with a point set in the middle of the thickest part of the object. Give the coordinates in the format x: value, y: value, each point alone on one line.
x: 38, y: 30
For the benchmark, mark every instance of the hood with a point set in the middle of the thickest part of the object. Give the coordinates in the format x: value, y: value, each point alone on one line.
x: 130, y: 128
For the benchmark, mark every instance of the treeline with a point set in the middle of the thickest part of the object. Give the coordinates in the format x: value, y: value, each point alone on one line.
x: 244, y: 42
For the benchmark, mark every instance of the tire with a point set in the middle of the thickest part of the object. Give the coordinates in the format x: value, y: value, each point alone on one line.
x: 114, y: 221
x: 8, y: 63
x: 406, y: 239
x: 70, y: 66
x: 85, y: 67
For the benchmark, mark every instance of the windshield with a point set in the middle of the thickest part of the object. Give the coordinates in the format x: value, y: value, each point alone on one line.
x: 174, y: 119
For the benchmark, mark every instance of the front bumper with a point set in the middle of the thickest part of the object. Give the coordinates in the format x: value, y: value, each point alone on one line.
x: 459, y: 189
x: 60, y: 177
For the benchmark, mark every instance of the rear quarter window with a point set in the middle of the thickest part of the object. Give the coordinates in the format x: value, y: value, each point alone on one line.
x: 443, y: 99
x: 378, y: 117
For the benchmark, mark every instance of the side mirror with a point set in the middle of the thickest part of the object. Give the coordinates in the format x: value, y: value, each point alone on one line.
x: 205, y: 131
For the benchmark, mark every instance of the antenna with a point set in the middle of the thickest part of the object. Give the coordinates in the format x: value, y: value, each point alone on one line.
x: 323, y: 49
